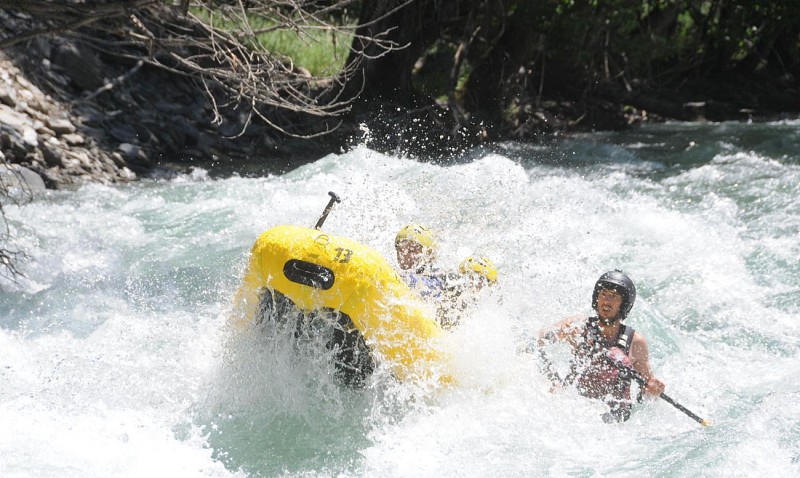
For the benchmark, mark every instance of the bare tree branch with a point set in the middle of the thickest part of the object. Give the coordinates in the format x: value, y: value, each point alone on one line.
x: 217, y: 43
x: 85, y: 14
x: 14, y: 190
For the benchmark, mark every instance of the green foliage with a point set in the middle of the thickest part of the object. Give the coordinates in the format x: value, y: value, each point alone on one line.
x: 432, y: 75
x: 566, y: 48
x: 320, y: 49
x: 571, y: 49
x: 650, y: 38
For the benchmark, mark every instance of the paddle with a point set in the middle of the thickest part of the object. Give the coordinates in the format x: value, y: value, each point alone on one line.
x: 334, y: 200
x: 631, y: 373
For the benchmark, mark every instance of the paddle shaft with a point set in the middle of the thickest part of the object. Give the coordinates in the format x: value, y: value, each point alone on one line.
x: 643, y: 382
x: 334, y: 200
x: 685, y: 410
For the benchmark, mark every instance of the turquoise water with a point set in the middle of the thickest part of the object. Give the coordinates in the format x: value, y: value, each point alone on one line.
x: 116, y: 358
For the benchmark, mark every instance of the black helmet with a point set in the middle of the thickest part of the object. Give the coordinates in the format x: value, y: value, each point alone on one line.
x: 617, y: 281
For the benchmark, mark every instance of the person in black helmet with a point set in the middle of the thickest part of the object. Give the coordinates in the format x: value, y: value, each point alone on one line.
x: 599, y: 343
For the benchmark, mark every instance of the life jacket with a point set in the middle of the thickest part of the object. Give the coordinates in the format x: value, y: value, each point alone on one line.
x: 440, y: 290
x: 592, y: 373
x: 427, y: 285
x: 456, y: 300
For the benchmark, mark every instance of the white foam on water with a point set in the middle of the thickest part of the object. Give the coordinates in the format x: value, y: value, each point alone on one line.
x: 117, y: 358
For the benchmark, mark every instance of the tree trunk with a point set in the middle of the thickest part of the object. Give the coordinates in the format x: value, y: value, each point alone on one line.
x: 411, y: 27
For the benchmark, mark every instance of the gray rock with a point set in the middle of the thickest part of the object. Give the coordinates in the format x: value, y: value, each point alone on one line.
x: 119, y: 161
x: 43, y: 45
x: 109, y: 170
x: 129, y: 151
x: 30, y: 137
x: 126, y: 174
x: 73, y: 139
x: 83, y: 157
x: 57, y: 77
x: 79, y: 64
x: 53, y: 155
x: 44, y: 130
x: 123, y: 132
x: 26, y: 86
x: 61, y: 125
x: 13, y: 145
x: 12, y: 119
x: 8, y: 96
x: 19, y: 180
x: 71, y: 161
x: 53, y: 178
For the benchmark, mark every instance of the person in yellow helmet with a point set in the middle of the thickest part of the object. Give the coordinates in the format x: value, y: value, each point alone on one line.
x: 478, y: 272
x: 417, y: 248
x: 474, y: 274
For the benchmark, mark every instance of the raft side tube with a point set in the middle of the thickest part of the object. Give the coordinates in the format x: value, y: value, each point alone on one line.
x: 317, y: 271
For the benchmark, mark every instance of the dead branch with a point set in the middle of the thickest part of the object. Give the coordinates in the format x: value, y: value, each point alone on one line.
x: 14, y: 190
x: 217, y: 43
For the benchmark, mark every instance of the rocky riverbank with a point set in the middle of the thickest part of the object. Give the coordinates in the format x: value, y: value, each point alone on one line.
x: 39, y: 134
x: 70, y: 114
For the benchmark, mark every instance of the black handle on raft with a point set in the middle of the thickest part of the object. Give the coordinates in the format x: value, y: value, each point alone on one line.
x: 627, y: 371
x: 334, y: 199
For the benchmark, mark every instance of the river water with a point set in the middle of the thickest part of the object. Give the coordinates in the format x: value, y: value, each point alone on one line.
x: 116, y: 359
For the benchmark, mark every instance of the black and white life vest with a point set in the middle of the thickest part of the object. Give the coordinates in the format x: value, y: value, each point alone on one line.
x: 591, y: 371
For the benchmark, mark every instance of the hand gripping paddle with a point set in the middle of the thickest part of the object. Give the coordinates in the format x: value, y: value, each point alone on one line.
x: 629, y: 372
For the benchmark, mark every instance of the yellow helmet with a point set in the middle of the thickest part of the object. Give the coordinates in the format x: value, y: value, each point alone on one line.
x: 481, y: 265
x: 419, y: 234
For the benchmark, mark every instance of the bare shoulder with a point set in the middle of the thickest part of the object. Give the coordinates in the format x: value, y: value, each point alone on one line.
x: 638, y: 341
x: 639, y: 356
x: 638, y: 350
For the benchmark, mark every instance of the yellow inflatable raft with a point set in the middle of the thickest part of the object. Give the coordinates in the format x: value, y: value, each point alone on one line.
x: 377, y: 316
